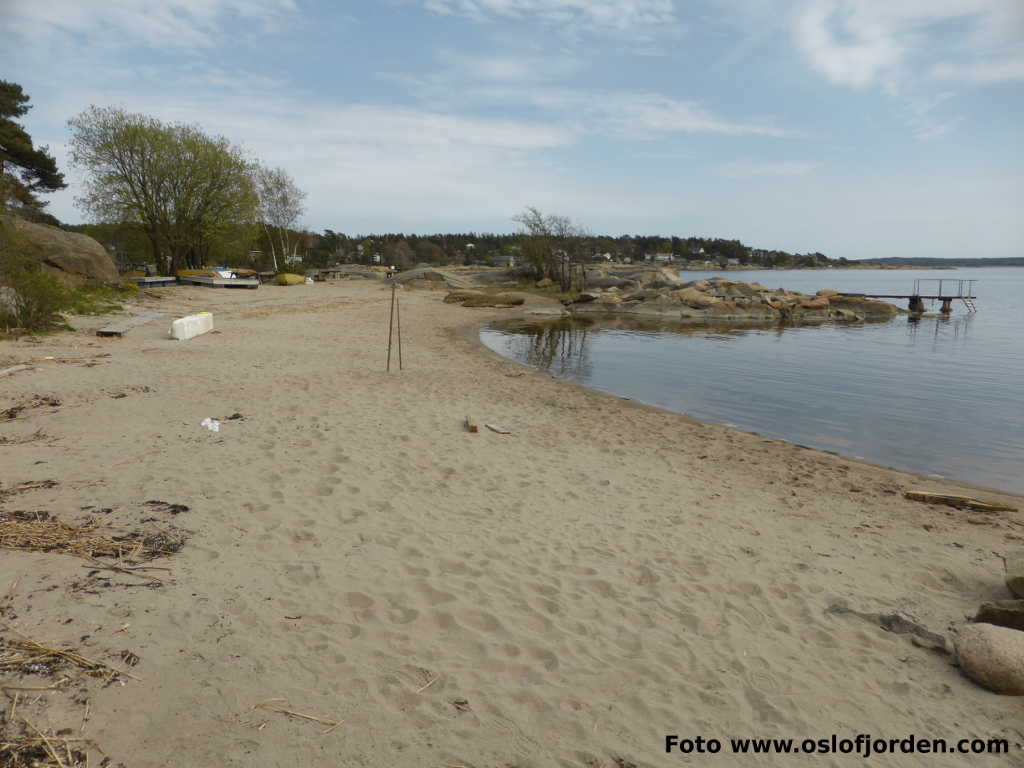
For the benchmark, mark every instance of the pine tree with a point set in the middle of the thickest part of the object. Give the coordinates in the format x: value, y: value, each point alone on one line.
x: 25, y: 170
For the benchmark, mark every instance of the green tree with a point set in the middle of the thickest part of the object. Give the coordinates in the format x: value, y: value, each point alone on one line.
x: 187, y: 191
x: 25, y: 170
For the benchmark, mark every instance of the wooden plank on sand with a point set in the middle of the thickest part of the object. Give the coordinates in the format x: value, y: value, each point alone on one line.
x: 121, y: 328
x: 960, y: 502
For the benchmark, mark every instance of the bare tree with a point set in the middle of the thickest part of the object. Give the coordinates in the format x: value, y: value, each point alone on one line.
x: 551, y: 245
x: 280, y: 206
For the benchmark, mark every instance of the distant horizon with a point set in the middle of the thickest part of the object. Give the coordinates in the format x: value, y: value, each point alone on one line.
x: 858, y: 129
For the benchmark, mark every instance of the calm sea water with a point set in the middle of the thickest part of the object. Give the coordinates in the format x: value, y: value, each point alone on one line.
x: 939, y: 395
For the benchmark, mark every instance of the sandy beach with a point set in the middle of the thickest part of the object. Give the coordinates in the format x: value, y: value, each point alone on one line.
x: 565, y: 595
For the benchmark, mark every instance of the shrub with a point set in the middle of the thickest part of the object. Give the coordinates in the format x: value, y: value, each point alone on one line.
x: 29, y: 296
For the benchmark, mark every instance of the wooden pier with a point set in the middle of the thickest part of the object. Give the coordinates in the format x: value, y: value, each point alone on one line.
x: 947, y: 291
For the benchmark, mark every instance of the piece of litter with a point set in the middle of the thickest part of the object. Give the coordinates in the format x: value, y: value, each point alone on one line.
x: 191, y: 326
x: 499, y: 430
x: 211, y: 424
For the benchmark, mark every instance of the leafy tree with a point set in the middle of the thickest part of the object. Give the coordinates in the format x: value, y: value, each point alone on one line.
x: 25, y: 170
x: 280, y: 206
x: 189, y: 192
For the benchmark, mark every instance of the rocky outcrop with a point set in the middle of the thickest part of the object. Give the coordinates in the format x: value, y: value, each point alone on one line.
x: 718, y: 300
x: 992, y: 657
x: 73, y: 257
x: 429, y: 277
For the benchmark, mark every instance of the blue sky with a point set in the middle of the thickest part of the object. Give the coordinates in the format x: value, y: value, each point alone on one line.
x: 858, y: 128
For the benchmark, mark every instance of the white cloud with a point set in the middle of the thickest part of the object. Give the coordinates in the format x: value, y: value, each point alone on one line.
x: 981, y: 72
x: 366, y: 165
x: 858, y: 43
x: 601, y: 14
x: 165, y: 24
x: 644, y: 115
x: 848, y: 47
x: 743, y: 169
x: 626, y: 115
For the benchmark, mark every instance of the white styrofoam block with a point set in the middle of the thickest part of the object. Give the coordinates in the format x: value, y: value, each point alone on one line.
x: 192, y: 325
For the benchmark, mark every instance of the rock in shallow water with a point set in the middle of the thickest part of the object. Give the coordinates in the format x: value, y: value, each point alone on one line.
x: 992, y: 657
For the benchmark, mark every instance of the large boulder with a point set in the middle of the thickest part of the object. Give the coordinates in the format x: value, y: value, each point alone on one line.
x: 992, y: 657
x: 73, y: 257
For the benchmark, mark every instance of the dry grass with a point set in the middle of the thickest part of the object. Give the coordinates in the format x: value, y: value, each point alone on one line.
x: 22, y: 655
x: 22, y: 745
x: 38, y: 532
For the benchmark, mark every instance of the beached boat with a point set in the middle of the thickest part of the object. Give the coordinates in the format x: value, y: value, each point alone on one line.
x: 217, y: 277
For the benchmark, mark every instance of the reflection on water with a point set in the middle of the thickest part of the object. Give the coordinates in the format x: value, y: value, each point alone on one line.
x: 943, y: 329
x: 936, y: 395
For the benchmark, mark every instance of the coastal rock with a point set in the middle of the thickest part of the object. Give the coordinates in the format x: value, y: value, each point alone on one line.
x: 993, y: 657
x: 493, y: 300
x: 818, y: 303
x: 425, y: 275
x: 653, y: 277
x: 457, y: 297
x: 1002, y: 613
x: 547, y: 282
x: 74, y: 258
x: 692, y: 297
x: 1014, y: 564
x: 863, y: 308
x: 827, y: 293
x: 604, y: 281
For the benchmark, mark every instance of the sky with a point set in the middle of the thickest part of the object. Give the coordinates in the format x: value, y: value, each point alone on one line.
x: 858, y: 128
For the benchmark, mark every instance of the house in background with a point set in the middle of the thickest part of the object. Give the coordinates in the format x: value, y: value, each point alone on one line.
x: 506, y: 260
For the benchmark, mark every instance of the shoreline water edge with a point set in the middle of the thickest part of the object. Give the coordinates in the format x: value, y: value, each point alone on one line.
x: 566, y: 589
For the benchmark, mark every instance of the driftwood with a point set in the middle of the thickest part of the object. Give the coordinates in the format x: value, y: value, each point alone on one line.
x: 960, y: 502
x: 499, y: 430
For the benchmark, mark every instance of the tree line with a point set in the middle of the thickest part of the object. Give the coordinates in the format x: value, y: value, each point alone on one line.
x: 173, y: 195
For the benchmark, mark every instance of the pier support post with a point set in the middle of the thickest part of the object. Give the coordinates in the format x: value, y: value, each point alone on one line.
x: 916, y: 304
x: 947, y: 306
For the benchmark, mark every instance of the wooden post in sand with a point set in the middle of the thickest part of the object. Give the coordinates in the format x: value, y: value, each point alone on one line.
x: 395, y: 313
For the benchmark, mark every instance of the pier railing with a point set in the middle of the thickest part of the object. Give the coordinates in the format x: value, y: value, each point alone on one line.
x: 954, y: 288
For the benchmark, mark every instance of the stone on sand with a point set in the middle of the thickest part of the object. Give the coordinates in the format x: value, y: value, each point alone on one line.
x: 993, y: 657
